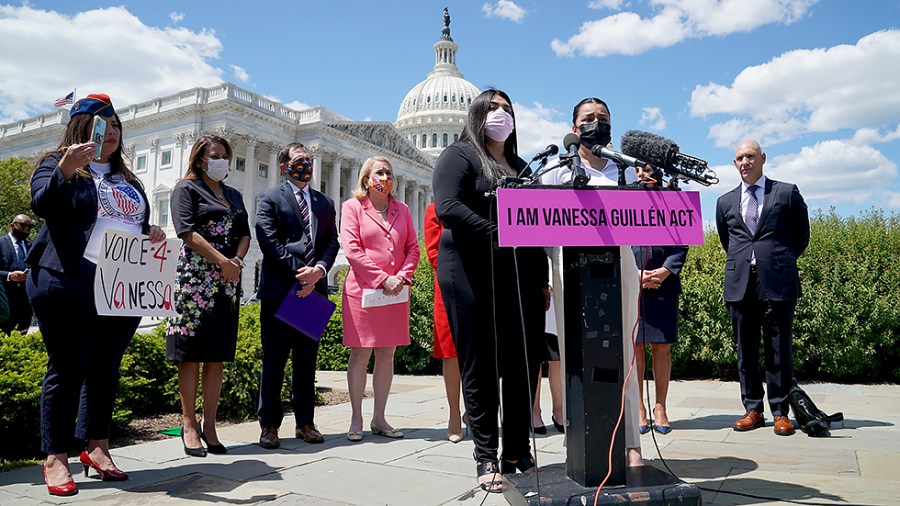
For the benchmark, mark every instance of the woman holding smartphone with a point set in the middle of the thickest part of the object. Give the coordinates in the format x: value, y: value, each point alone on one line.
x: 80, y: 195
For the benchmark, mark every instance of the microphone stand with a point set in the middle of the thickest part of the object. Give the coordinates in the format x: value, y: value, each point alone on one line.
x: 621, y: 170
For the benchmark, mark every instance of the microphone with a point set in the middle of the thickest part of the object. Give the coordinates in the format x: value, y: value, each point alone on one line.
x: 620, y: 158
x: 664, y: 154
x: 572, y: 143
x: 546, y: 152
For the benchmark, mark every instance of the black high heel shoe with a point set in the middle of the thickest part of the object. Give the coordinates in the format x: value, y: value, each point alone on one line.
x: 192, y: 452
x: 489, y: 469
x: 523, y: 465
x: 217, y: 449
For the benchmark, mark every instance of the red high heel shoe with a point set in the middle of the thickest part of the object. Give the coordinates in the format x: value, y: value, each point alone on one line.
x: 66, y: 489
x: 113, y: 475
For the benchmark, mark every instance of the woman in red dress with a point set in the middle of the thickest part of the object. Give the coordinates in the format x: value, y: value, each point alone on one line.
x: 443, y: 341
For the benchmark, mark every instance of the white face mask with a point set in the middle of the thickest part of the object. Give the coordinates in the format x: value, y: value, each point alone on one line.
x: 498, y: 125
x: 217, y: 169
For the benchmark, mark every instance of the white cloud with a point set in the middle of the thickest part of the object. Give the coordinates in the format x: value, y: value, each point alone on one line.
x: 176, y: 16
x: 835, y: 171
x: 652, y: 118
x: 606, y: 4
x: 506, y: 9
x: 815, y: 90
x: 298, y: 106
x: 892, y: 199
x: 874, y: 136
x: 628, y: 33
x: 240, y: 73
x: 537, y: 127
x: 131, y: 61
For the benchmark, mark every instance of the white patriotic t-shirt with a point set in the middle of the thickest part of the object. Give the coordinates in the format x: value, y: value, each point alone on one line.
x: 119, y: 207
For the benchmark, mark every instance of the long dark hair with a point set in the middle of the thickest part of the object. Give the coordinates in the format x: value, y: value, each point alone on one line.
x: 78, y: 131
x: 473, y: 133
x: 194, y: 170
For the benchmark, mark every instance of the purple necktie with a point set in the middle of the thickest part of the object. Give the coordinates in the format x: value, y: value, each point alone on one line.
x: 751, y: 214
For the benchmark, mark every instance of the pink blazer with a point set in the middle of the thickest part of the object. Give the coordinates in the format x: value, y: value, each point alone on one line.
x: 374, y: 250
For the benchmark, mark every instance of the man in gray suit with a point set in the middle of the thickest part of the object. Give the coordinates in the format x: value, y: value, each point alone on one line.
x: 764, y: 227
x: 297, y: 233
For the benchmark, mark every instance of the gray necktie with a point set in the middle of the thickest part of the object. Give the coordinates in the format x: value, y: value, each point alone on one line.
x: 751, y: 214
x: 304, y: 213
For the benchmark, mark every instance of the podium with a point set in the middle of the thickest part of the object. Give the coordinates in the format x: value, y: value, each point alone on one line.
x: 591, y: 225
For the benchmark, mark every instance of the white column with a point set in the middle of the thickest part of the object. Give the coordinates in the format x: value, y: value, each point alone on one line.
x: 250, y: 171
x: 316, y: 153
x: 355, y: 166
x: 401, y: 189
x: 274, y: 170
x: 153, y: 161
x: 415, y: 206
x: 334, y: 184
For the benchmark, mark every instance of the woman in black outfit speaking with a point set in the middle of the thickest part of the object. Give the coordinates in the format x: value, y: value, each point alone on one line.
x: 484, y: 285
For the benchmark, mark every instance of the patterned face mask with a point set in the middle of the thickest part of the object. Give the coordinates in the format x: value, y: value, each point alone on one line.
x: 382, y: 184
x: 300, y: 171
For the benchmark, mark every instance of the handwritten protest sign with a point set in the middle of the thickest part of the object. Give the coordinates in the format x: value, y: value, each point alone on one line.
x: 564, y: 217
x: 134, y: 276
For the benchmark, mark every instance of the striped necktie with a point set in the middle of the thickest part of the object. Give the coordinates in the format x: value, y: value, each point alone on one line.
x: 751, y: 214
x: 304, y: 213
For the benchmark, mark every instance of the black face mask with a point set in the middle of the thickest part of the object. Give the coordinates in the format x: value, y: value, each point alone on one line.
x: 595, y: 133
x: 20, y: 235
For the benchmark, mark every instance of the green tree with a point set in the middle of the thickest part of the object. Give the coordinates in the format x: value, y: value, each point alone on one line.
x: 15, y: 193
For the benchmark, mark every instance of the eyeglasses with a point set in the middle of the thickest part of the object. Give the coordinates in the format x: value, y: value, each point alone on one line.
x: 19, y: 224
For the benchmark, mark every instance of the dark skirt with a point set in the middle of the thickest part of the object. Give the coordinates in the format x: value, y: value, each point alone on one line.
x: 659, y: 318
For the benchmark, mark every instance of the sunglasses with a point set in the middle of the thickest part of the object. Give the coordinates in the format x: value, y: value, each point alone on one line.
x: 23, y: 225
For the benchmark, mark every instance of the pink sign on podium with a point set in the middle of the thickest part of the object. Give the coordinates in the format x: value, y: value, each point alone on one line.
x: 568, y: 217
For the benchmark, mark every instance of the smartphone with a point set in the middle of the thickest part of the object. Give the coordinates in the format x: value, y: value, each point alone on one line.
x: 98, y: 134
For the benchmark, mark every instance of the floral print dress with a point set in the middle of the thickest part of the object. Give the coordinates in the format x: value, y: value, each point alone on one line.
x: 205, y: 329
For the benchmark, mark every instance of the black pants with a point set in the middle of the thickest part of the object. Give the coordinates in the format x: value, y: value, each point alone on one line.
x: 752, y: 319
x: 19, y: 309
x: 278, y: 341
x: 84, y: 352
x: 469, y: 301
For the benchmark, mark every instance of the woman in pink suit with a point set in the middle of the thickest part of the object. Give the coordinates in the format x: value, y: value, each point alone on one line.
x: 380, y: 244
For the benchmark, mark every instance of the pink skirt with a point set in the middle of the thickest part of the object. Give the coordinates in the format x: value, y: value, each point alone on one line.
x: 374, y: 327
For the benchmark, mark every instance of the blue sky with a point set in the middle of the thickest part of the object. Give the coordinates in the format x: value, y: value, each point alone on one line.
x: 817, y: 82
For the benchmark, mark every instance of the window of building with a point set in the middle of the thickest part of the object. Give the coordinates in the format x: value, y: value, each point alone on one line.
x: 162, y: 212
x: 263, y: 170
x: 424, y: 141
x: 434, y: 140
x: 428, y: 99
x: 140, y: 164
x: 444, y: 141
x: 453, y: 98
x: 165, y: 159
x: 445, y: 98
x: 455, y: 137
x: 240, y: 164
x: 323, y: 187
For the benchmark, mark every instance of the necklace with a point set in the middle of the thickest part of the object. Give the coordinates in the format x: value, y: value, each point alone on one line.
x: 382, y: 211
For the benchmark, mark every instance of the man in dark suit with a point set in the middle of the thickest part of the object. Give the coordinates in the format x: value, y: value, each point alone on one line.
x: 764, y: 227
x: 14, y: 247
x: 297, y: 233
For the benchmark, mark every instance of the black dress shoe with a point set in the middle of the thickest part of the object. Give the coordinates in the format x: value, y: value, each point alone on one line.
x: 558, y: 425
x: 525, y: 465
x: 540, y: 429
x: 192, y: 452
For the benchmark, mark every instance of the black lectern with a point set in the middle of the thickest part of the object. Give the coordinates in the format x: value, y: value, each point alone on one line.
x: 594, y: 370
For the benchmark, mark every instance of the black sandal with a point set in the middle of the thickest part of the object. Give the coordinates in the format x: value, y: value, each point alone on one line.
x: 524, y: 465
x: 489, y: 468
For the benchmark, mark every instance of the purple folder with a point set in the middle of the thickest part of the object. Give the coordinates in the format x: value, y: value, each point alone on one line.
x: 308, y: 314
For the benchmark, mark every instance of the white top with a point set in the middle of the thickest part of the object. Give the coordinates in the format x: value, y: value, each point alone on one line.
x: 609, y: 176
x: 119, y: 207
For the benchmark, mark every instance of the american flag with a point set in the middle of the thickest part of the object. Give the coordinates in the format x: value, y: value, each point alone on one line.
x: 66, y: 100
x: 127, y: 199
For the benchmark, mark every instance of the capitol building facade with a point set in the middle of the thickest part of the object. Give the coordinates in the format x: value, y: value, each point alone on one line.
x: 159, y: 134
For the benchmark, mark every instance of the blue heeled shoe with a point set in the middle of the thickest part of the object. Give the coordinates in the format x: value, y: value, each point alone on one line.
x: 660, y: 429
x: 644, y: 429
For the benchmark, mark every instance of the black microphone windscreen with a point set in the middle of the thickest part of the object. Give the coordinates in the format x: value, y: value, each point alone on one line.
x: 571, y: 139
x: 654, y: 149
x: 552, y: 149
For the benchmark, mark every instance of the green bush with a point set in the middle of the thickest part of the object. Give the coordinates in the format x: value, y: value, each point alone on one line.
x: 23, y: 362
x: 847, y: 323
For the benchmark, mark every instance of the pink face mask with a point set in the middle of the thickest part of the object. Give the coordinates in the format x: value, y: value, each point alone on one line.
x: 498, y: 125
x: 381, y: 184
